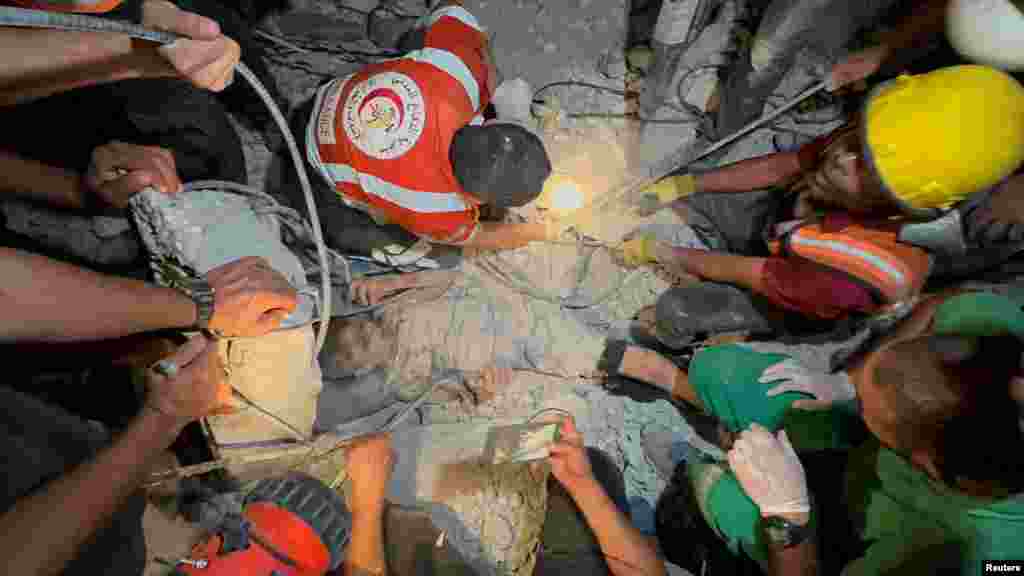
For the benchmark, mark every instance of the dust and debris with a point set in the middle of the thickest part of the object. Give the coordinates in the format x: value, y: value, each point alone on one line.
x: 545, y: 317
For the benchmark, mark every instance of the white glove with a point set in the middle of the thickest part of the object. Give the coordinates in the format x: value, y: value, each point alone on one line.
x: 512, y: 101
x: 400, y: 256
x: 769, y: 471
x: 827, y: 389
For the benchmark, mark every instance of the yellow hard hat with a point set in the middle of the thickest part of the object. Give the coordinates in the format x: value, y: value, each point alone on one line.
x: 936, y: 138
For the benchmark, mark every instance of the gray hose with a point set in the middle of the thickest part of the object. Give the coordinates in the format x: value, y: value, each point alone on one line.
x: 23, y: 18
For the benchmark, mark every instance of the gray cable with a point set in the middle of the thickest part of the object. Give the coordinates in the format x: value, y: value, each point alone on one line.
x: 23, y: 18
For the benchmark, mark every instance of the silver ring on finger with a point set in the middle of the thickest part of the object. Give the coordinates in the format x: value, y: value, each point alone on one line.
x: 166, y: 368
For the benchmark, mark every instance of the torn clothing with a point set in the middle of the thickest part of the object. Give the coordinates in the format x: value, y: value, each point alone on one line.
x: 381, y: 137
x: 40, y: 443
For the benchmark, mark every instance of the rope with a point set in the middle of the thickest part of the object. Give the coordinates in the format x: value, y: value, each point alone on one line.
x: 19, y: 17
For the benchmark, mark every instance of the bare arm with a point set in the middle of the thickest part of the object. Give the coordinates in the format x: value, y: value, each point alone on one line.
x: 368, y: 464
x: 36, y: 181
x: 743, y: 271
x: 626, y: 551
x: 39, y: 63
x: 48, y: 527
x: 365, y: 555
x: 752, y: 174
x: 505, y: 236
x: 47, y: 300
x: 53, y: 61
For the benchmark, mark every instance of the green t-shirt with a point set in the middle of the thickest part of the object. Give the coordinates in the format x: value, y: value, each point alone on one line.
x: 917, y: 526
x: 725, y: 379
x: 905, y: 517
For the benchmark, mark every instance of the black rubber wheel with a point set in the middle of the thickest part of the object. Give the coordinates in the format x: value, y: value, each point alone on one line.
x: 316, y: 504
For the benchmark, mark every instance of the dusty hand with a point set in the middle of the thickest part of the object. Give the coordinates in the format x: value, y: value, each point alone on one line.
x: 664, y: 192
x: 857, y: 67
x: 570, y: 464
x: 204, y: 56
x: 197, y: 389
x: 639, y: 251
x: 250, y: 298
x: 827, y: 389
x: 368, y: 464
x: 769, y: 471
x: 120, y: 170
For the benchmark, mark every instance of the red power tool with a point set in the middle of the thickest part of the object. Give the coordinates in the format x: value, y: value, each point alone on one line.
x: 289, y: 526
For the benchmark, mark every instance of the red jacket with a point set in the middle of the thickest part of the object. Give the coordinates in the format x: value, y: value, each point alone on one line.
x: 381, y: 136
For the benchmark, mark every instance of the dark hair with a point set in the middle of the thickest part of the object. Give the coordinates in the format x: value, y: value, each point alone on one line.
x: 503, y: 164
x: 958, y: 406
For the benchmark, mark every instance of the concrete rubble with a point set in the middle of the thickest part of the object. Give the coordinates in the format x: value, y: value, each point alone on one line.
x: 485, y: 321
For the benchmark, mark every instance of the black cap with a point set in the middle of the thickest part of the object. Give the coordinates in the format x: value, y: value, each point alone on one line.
x: 501, y: 164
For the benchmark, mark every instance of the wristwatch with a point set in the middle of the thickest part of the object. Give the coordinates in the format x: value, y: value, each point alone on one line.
x: 783, y: 532
x: 200, y: 291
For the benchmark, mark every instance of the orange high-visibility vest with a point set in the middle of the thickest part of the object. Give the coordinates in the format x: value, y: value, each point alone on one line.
x: 89, y: 6
x: 381, y: 136
x: 866, y: 251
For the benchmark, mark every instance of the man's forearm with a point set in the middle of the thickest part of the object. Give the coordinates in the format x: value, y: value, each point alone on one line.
x: 39, y: 63
x: 47, y: 300
x: 365, y: 554
x: 743, y: 271
x: 752, y: 174
x: 625, y: 549
x: 36, y: 181
x: 502, y: 236
x: 44, y: 540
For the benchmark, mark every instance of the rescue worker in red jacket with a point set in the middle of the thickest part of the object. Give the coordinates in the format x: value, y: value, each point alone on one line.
x: 852, y: 222
x: 402, y: 153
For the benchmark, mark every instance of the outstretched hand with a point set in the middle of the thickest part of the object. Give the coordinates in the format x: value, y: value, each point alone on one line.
x: 205, y: 57
x: 570, y: 464
x: 250, y: 298
x: 120, y: 170
x: 827, y: 389
x: 857, y: 67
x: 197, y: 388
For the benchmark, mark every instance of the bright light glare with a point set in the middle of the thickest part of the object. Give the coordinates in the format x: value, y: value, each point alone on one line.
x: 566, y: 198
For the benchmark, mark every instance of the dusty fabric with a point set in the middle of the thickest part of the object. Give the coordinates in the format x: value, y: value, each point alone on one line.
x: 492, y: 514
x: 278, y: 373
x: 485, y: 320
x: 203, y: 228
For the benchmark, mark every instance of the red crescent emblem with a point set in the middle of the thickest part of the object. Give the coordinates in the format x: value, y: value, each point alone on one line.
x: 389, y: 95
